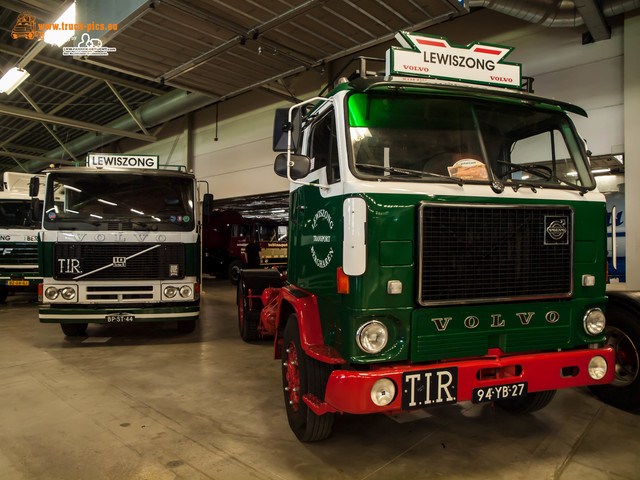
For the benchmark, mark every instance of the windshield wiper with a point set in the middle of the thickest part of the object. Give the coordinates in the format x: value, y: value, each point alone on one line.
x: 532, y: 169
x: 581, y: 188
x: 408, y: 171
x: 536, y: 170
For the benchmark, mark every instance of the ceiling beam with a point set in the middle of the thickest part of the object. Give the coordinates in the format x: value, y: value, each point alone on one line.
x: 37, y: 108
x: 43, y: 117
x: 56, y: 109
x: 26, y: 156
x: 85, y: 72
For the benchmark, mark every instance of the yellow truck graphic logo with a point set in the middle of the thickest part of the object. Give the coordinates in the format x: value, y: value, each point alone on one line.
x: 25, y: 27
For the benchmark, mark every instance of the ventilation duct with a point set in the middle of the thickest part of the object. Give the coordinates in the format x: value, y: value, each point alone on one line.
x: 556, y: 13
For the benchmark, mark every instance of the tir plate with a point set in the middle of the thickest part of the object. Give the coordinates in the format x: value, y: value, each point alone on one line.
x: 499, y: 392
x: 436, y: 386
x: 124, y: 318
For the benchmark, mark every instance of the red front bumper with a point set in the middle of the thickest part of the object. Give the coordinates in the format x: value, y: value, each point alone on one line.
x: 349, y: 391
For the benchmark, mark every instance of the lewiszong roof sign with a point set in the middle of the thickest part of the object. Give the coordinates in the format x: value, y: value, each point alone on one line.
x: 106, y: 160
x: 434, y: 57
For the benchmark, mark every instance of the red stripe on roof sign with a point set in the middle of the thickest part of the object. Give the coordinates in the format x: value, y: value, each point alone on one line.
x: 487, y: 50
x: 430, y: 43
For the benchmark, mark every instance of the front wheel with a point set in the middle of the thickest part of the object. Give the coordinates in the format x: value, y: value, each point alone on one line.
x: 623, y: 334
x: 233, y: 271
x: 186, y: 326
x: 247, y: 320
x: 4, y: 293
x: 73, y: 329
x: 302, y: 375
x: 528, y: 403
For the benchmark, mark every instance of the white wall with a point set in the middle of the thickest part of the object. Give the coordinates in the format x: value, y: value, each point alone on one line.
x: 241, y: 161
x: 632, y: 147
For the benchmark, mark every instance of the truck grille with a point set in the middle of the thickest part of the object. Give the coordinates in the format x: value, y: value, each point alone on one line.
x: 22, y: 255
x: 483, y: 253
x: 166, y: 261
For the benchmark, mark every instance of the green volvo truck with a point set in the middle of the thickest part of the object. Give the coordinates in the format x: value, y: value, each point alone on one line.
x: 446, y: 243
x: 120, y: 245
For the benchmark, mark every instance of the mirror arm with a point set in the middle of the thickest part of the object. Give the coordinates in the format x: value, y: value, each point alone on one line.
x: 289, y: 163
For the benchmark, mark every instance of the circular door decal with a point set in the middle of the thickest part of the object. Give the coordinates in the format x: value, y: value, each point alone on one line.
x: 321, y: 250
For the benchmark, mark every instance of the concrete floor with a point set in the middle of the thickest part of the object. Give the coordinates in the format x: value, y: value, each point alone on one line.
x: 144, y: 402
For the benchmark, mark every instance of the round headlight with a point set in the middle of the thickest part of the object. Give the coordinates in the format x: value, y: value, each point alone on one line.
x: 51, y: 293
x: 594, y: 321
x: 170, y: 292
x: 68, y: 293
x: 185, y: 291
x: 597, y: 367
x: 383, y: 392
x: 372, y: 337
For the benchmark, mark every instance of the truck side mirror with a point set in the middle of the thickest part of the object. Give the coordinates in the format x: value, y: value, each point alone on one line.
x: 34, y: 186
x: 207, y: 203
x: 300, y: 166
x: 36, y: 211
x: 281, y: 127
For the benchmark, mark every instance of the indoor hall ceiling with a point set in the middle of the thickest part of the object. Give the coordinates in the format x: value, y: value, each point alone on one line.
x: 215, y: 49
x: 72, y: 96
x: 223, y: 48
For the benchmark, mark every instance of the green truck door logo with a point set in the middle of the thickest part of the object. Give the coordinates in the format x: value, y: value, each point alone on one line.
x: 322, y: 227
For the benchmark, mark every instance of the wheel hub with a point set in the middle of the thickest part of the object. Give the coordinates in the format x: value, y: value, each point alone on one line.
x: 292, y: 377
x: 627, y: 358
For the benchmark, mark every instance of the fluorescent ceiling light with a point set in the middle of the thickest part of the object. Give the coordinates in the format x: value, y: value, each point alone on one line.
x: 10, y: 80
x: 601, y: 170
x: 58, y: 36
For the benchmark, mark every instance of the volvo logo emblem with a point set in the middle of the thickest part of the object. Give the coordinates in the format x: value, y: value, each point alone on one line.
x: 556, y: 230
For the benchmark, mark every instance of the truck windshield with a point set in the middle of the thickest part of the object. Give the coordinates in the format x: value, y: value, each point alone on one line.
x: 433, y: 138
x: 16, y: 214
x: 118, y: 201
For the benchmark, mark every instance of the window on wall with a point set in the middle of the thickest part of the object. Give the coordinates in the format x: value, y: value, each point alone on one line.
x: 324, y: 147
x: 609, y: 173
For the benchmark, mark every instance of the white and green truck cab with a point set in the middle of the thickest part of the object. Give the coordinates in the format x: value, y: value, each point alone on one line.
x: 20, y: 222
x: 446, y: 244
x: 120, y: 245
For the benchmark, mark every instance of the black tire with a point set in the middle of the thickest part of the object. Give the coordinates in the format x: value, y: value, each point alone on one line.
x: 623, y: 334
x: 186, y: 326
x: 528, y: 403
x: 4, y: 293
x: 247, y: 320
x: 308, y: 376
x: 233, y: 271
x: 74, y: 329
